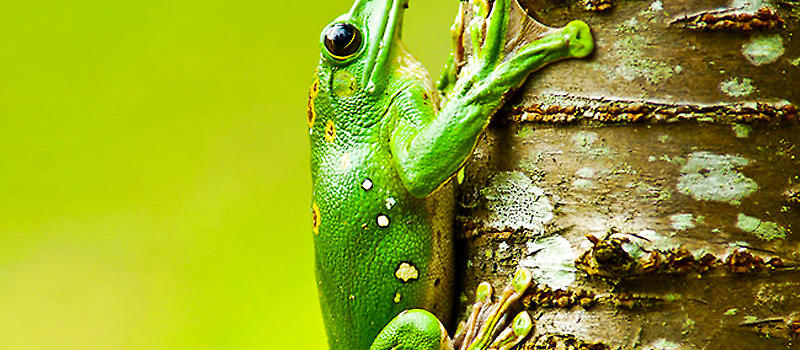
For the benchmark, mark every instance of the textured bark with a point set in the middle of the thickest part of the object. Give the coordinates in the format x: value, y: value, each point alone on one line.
x: 654, y: 188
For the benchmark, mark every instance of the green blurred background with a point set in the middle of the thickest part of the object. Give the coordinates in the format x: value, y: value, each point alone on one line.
x: 154, y: 171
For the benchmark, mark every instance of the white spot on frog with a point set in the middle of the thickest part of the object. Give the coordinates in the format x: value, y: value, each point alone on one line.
x: 406, y: 272
x: 551, y: 260
x: 390, y: 202
x: 713, y: 177
x: 366, y: 184
x: 382, y: 220
x: 515, y: 202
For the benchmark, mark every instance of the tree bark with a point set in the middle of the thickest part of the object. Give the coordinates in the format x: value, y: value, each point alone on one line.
x: 654, y: 188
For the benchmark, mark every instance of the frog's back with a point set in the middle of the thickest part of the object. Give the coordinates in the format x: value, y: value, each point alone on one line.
x: 379, y: 250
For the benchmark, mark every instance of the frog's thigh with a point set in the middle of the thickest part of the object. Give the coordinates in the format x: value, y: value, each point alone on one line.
x: 414, y: 329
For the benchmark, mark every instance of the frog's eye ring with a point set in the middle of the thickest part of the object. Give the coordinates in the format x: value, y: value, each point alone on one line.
x: 342, y: 40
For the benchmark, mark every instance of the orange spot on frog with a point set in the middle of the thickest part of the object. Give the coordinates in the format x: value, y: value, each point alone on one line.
x: 330, y: 131
x: 315, y: 218
x: 312, y: 115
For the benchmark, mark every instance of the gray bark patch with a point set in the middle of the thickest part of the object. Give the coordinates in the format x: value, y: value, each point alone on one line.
x: 712, y: 177
x: 763, y: 49
x: 551, y: 260
x: 765, y: 230
x: 682, y: 222
x: 515, y: 202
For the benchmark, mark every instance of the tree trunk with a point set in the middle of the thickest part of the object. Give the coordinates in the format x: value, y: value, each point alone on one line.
x: 654, y: 188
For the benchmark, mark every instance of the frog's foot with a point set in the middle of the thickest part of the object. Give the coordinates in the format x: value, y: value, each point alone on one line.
x: 414, y: 329
x: 495, y: 71
x: 497, y: 325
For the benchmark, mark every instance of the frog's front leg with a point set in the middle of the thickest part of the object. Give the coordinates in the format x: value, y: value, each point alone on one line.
x: 429, y: 148
x: 487, y: 327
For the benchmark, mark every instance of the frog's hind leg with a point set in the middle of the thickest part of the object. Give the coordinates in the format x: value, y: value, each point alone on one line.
x: 490, y: 325
x: 414, y: 329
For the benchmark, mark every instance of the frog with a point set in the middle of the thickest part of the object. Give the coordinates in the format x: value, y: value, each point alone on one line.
x: 386, y: 144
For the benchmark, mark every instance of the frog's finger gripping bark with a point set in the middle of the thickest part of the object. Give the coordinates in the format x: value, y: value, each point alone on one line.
x: 476, y: 26
x: 495, y: 37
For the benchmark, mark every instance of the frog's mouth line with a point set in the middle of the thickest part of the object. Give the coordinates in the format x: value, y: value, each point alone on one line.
x: 382, y: 18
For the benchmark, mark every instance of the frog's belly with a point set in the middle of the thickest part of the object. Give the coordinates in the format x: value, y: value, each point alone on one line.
x: 379, y: 251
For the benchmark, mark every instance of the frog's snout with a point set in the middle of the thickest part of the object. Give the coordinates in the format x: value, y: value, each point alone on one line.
x: 579, y: 38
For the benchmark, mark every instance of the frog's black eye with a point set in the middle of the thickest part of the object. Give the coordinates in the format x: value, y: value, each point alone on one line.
x: 342, y: 40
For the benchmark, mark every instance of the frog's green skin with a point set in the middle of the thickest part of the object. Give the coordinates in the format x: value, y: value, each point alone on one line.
x: 382, y: 154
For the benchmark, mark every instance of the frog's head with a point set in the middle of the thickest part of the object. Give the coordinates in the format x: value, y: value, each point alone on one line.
x: 356, y: 53
x: 361, y: 41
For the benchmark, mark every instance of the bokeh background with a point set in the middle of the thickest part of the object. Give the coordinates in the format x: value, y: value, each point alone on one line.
x: 154, y: 182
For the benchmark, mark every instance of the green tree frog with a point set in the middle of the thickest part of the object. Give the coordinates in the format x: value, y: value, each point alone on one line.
x: 384, y: 146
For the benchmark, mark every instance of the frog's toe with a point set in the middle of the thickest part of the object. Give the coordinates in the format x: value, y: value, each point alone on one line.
x: 520, y: 327
x: 579, y: 37
x: 496, y: 33
x: 522, y: 324
x: 414, y: 329
x: 488, y: 326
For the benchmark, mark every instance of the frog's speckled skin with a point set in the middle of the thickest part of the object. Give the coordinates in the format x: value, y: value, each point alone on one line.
x: 381, y: 157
